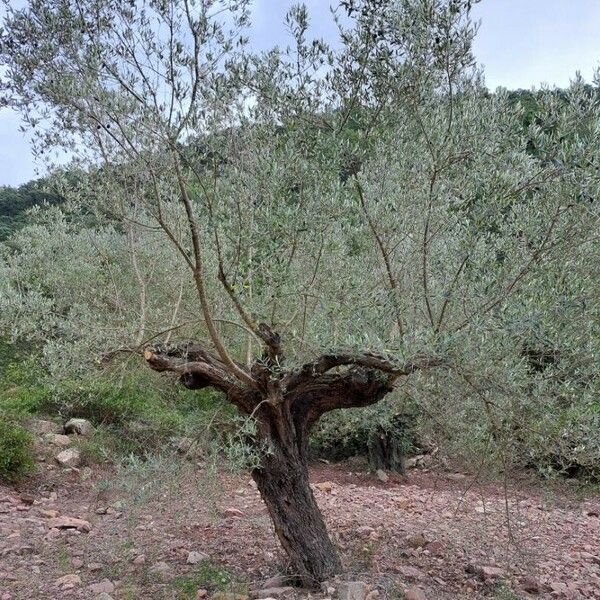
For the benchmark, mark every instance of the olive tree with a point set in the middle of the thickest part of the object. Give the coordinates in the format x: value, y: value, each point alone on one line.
x: 348, y: 216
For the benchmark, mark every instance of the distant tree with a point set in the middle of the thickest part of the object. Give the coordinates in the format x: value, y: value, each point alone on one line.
x: 348, y: 217
x: 15, y: 202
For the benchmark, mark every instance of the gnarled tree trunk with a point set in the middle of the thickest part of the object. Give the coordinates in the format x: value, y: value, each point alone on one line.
x: 284, y: 486
x: 285, y: 406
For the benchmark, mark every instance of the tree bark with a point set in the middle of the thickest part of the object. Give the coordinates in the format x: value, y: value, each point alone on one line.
x: 283, y: 482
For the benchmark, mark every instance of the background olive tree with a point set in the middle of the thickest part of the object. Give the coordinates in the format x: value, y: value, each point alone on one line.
x: 322, y: 221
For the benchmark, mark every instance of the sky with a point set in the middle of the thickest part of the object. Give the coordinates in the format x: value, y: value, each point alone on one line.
x: 521, y: 44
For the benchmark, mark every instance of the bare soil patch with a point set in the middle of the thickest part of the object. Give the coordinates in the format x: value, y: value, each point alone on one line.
x: 445, y: 534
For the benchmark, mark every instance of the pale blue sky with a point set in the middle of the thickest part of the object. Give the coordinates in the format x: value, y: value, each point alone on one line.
x: 521, y: 43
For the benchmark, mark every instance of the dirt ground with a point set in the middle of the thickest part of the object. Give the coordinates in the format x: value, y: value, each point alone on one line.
x: 436, y: 535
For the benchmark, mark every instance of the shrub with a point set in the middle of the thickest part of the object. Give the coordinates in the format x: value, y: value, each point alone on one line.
x: 342, y: 434
x: 16, y: 451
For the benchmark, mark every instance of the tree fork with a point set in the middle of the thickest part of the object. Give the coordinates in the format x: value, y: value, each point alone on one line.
x: 286, y: 407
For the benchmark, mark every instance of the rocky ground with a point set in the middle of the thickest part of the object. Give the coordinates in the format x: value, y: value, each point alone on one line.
x: 181, y: 529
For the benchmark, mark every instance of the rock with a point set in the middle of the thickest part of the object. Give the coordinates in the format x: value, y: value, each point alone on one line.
x: 230, y: 596
x: 95, y: 567
x: 416, y: 541
x: 591, y: 557
x: 382, y: 476
x: 160, y: 568
x: 410, y: 572
x: 325, y: 486
x: 485, y: 571
x: 456, y: 477
x: 365, y: 530
x: 559, y: 587
x: 201, y: 593
x: 274, y: 582
x: 276, y: 592
x: 374, y: 595
x: 414, y: 593
x: 193, y: 558
x: 78, y: 426
x: 76, y: 563
x: 491, y: 572
x: 105, y: 586
x: 411, y: 463
x: 41, y: 427
x: 49, y: 514
x: 233, y: 512
x: 531, y: 584
x: 69, y: 458
x: 353, y: 590
x: 70, y: 523
x: 103, y: 596
x: 58, y: 439
x: 68, y: 581
x: 435, y: 548
x: 28, y: 499
x: 139, y: 560
x: 420, y: 460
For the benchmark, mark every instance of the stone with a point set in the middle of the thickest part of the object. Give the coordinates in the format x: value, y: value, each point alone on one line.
x: 103, y: 596
x: 230, y: 596
x: 365, y: 530
x: 28, y: 499
x: 58, y: 439
x: 201, y: 593
x: 49, y: 514
x: 69, y: 458
x: 68, y: 581
x: 410, y: 572
x: 374, y: 595
x: 139, y: 560
x: 276, y: 592
x: 491, y: 572
x: 76, y: 563
x: 95, y: 566
x: 456, y: 477
x: 233, y: 512
x: 353, y: 590
x: 414, y: 593
x: 105, y: 586
x: 382, y: 476
x: 485, y: 571
x: 531, y: 584
x: 435, y: 548
x: 70, y: 523
x: 325, y: 486
x: 416, y: 541
x: 274, y: 582
x: 160, y: 568
x: 41, y: 427
x: 78, y: 426
x: 193, y: 558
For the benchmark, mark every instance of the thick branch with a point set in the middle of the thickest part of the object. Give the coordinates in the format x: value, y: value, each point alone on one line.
x: 356, y: 387
x: 199, y: 368
x: 326, y: 362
